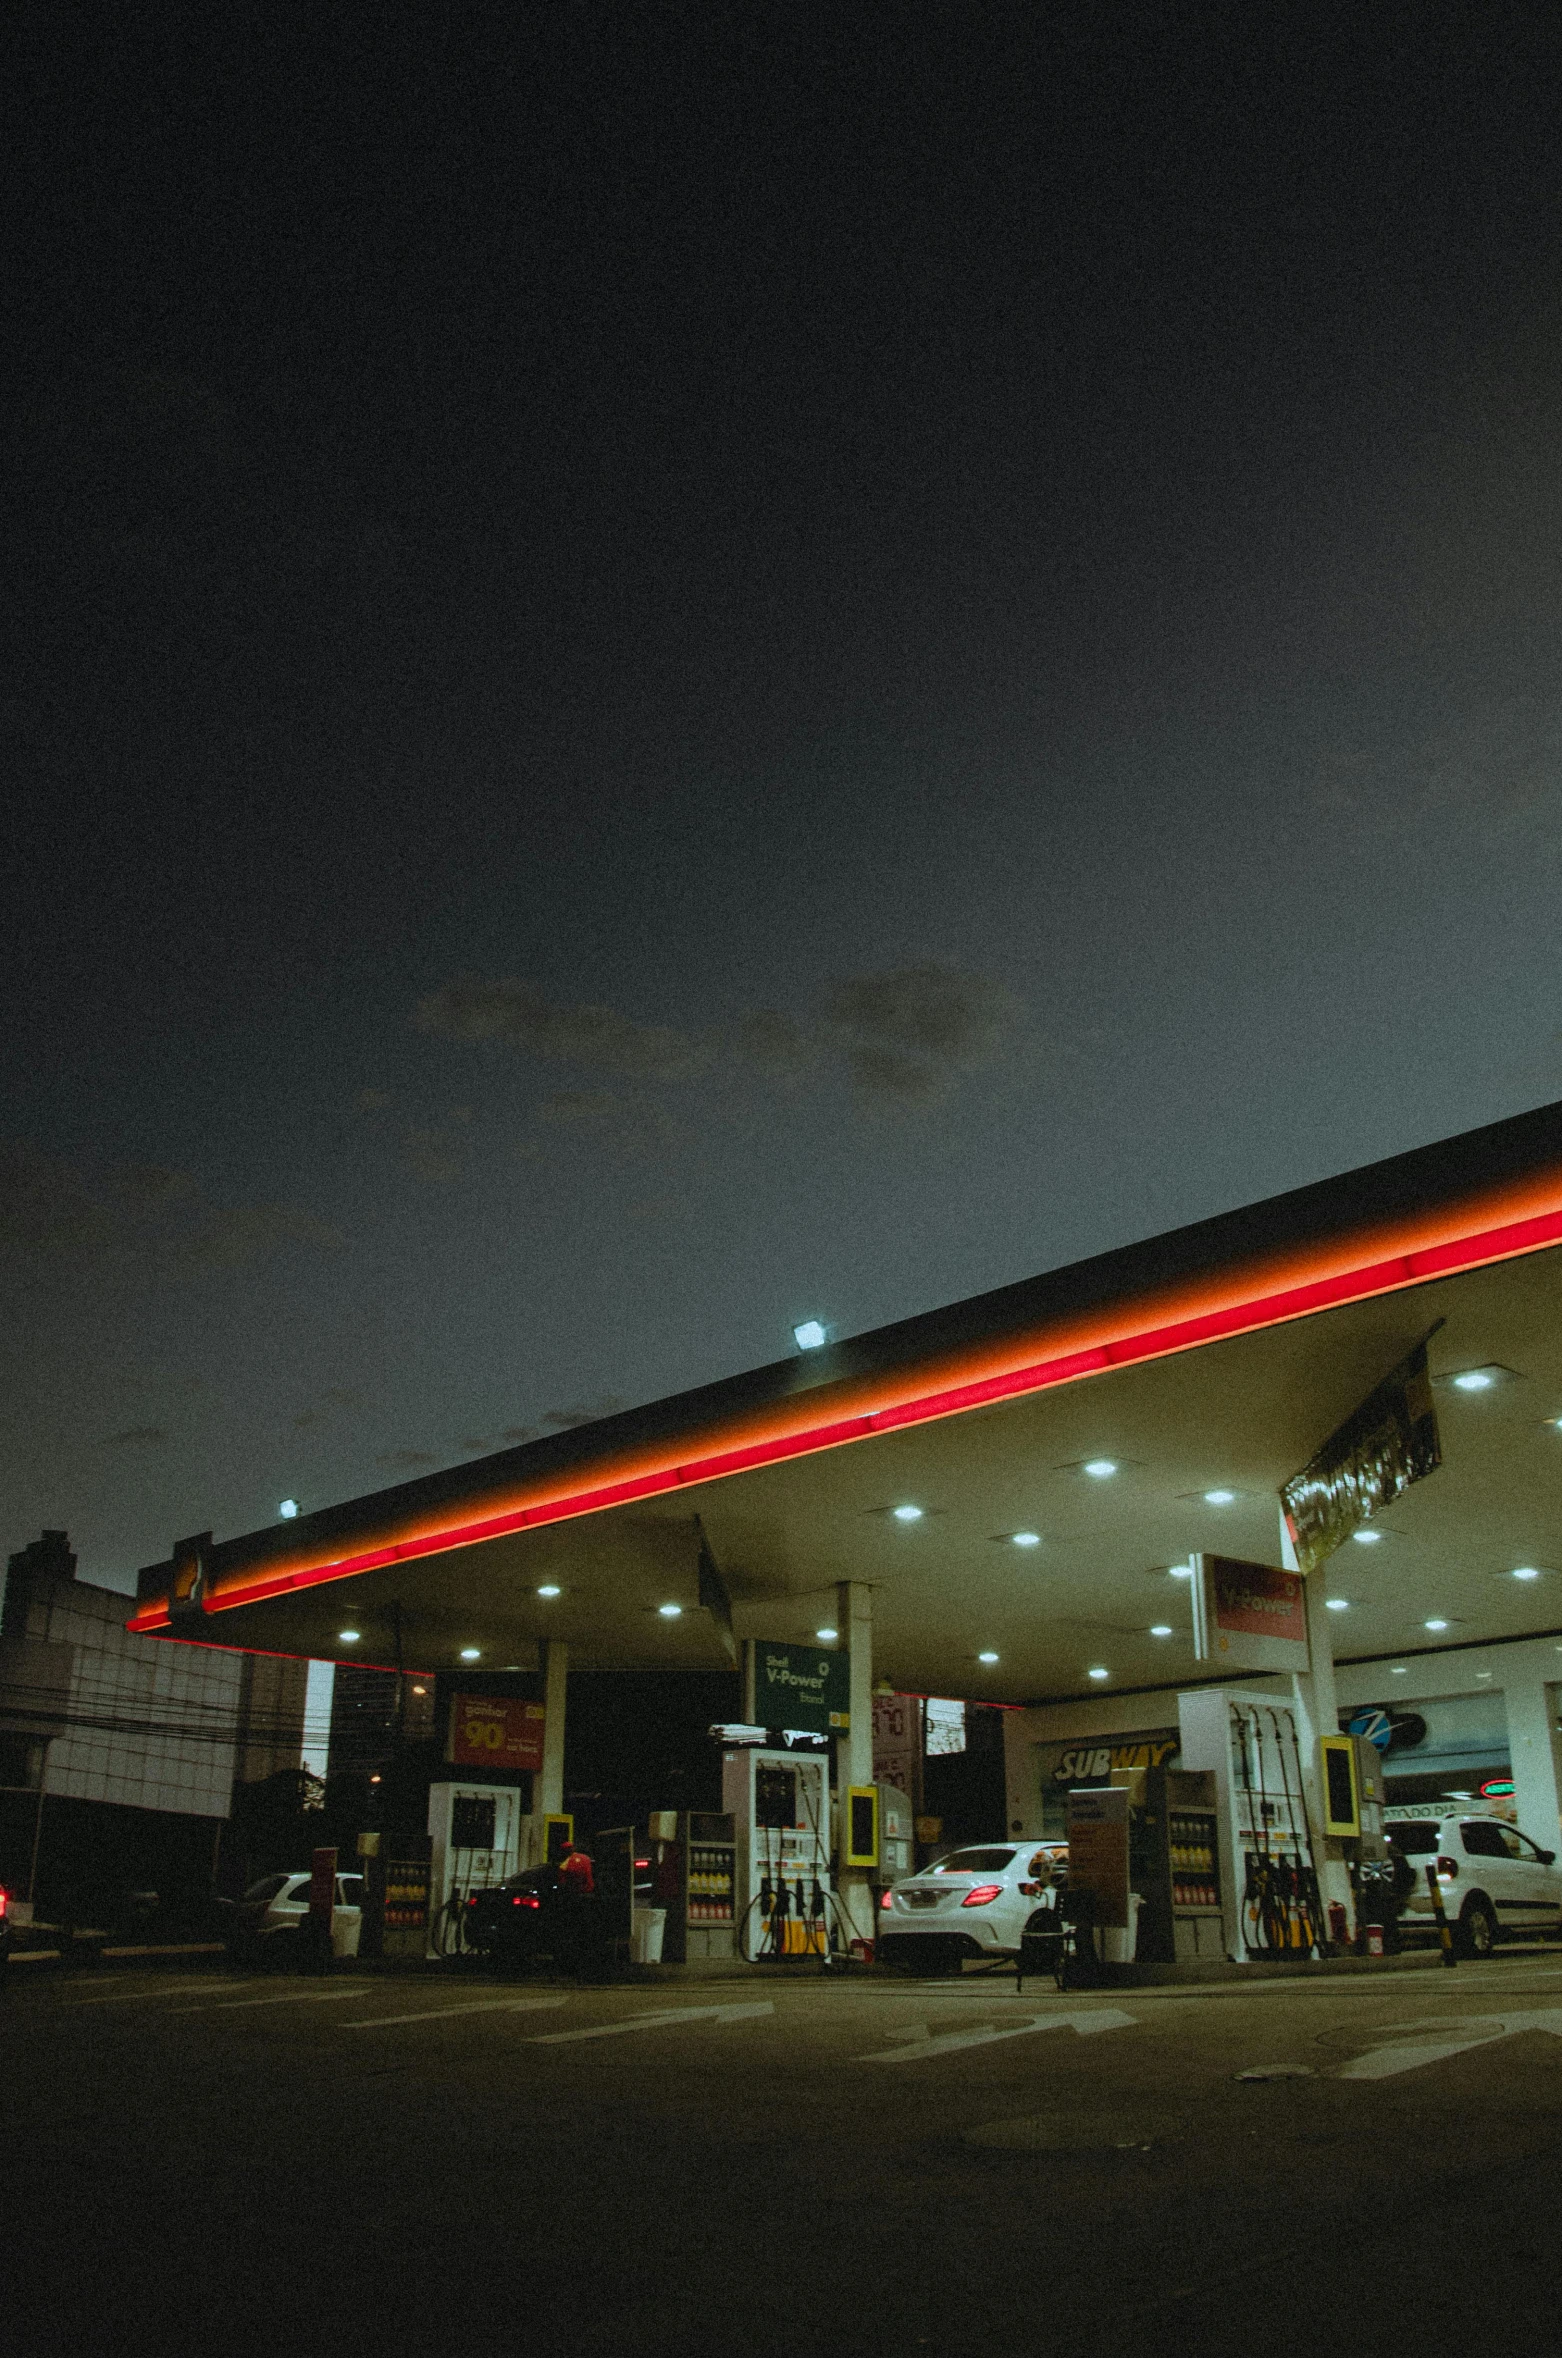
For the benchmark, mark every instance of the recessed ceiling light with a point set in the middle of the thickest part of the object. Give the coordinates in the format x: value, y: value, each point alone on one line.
x: 810, y: 1335
x: 827, y: 1636
x: 288, y: 1509
x: 471, y: 1653
x: 1337, y: 1604
x: 669, y: 1612
x: 549, y: 1588
x: 1219, y: 1497
x: 1398, y: 1670
x: 908, y: 1514
x: 1526, y: 1571
x: 1436, y: 1622
x: 1098, y: 1672
x: 420, y: 1690
x: 1161, y: 1629
x: 1027, y: 1538
x: 986, y: 1657
x: 1099, y: 1468
x: 1366, y: 1538
x: 1483, y: 1674
x: 348, y: 1637
x: 1179, y: 1571
x: 1475, y: 1380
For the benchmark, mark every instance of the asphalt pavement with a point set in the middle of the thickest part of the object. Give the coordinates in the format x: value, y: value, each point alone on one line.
x: 780, y: 2165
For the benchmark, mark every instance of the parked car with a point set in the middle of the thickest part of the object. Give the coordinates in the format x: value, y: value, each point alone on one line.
x: 265, y: 1924
x: 974, y: 1903
x: 1493, y: 1879
x: 517, y: 1921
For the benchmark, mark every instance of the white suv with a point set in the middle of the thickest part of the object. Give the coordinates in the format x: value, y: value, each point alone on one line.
x: 1493, y: 1879
x: 974, y: 1903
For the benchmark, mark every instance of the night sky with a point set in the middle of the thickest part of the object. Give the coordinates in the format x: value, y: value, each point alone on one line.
x: 673, y: 668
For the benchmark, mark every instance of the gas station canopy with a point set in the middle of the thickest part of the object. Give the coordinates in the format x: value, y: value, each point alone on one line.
x: 1064, y: 1442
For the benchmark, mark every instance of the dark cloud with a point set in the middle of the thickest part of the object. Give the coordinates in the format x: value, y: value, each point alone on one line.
x: 155, y: 1214
x: 231, y: 1238
x: 775, y: 1044
x: 628, y: 1125
x: 138, y: 1437
x: 521, y: 1015
x: 584, y: 1412
x: 432, y: 1155
x: 906, y: 1035
x: 45, y: 1206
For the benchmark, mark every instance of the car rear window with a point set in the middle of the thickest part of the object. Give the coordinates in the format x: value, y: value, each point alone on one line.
x: 266, y: 1888
x: 1417, y: 1837
x: 974, y: 1862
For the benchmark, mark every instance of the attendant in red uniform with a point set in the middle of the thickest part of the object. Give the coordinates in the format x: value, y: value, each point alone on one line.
x: 578, y: 1895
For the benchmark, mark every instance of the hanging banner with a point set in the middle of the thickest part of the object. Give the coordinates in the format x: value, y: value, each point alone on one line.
x: 1249, y: 1616
x: 496, y: 1732
x: 1386, y: 1444
x: 801, y: 1688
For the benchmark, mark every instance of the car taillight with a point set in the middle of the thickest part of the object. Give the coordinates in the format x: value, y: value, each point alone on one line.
x: 642, y: 1862
x: 525, y: 1899
x: 5, y: 1901
x: 1447, y: 1869
x: 980, y: 1893
x: 888, y: 1900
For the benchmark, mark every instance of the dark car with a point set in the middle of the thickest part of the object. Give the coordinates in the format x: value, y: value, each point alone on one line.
x: 518, y: 1921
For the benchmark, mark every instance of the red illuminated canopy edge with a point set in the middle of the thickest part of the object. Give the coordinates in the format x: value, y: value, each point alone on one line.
x: 1275, y: 1309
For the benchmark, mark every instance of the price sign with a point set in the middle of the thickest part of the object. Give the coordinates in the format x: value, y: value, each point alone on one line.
x: 495, y: 1731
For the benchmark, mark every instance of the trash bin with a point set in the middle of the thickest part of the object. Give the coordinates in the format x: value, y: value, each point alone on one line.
x: 1120, y: 1942
x: 649, y: 1926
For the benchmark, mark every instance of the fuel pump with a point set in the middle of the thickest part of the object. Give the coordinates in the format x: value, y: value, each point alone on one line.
x: 780, y: 1808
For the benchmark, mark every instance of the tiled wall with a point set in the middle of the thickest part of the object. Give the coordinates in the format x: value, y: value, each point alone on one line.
x: 168, y: 1713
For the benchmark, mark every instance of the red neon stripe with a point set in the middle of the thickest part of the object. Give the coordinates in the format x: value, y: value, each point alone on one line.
x: 1280, y: 1308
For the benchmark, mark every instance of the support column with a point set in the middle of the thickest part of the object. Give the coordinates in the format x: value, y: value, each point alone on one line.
x: 854, y: 1750
x: 1318, y: 1714
x: 1533, y: 1749
x: 548, y: 1790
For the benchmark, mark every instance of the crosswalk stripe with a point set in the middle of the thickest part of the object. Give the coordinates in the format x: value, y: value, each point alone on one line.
x: 1104, y: 2018
x: 666, y: 2019
x: 176, y: 1989
x: 287, y: 1998
x: 442, y: 2013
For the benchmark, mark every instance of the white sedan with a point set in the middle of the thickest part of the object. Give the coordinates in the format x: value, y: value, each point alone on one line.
x: 974, y: 1903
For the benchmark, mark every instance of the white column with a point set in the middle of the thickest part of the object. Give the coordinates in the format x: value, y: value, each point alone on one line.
x: 854, y: 1750
x: 548, y: 1791
x: 1533, y: 1749
x: 1318, y: 1714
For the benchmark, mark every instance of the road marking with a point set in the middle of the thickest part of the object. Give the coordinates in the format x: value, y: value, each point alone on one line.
x: 1103, y: 2018
x: 666, y: 2019
x: 177, y: 1989
x: 288, y: 1998
x: 442, y: 2013
x: 1481, y: 2030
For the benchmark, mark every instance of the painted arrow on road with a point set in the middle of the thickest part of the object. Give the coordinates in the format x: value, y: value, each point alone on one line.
x: 1445, y: 2039
x: 1100, y: 2018
x: 667, y: 2019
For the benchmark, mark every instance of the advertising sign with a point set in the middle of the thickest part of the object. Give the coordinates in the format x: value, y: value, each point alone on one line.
x: 1249, y: 1616
x: 801, y: 1687
x: 897, y: 1741
x: 1098, y: 1852
x: 496, y: 1732
x: 1090, y: 1760
x: 1386, y: 1444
